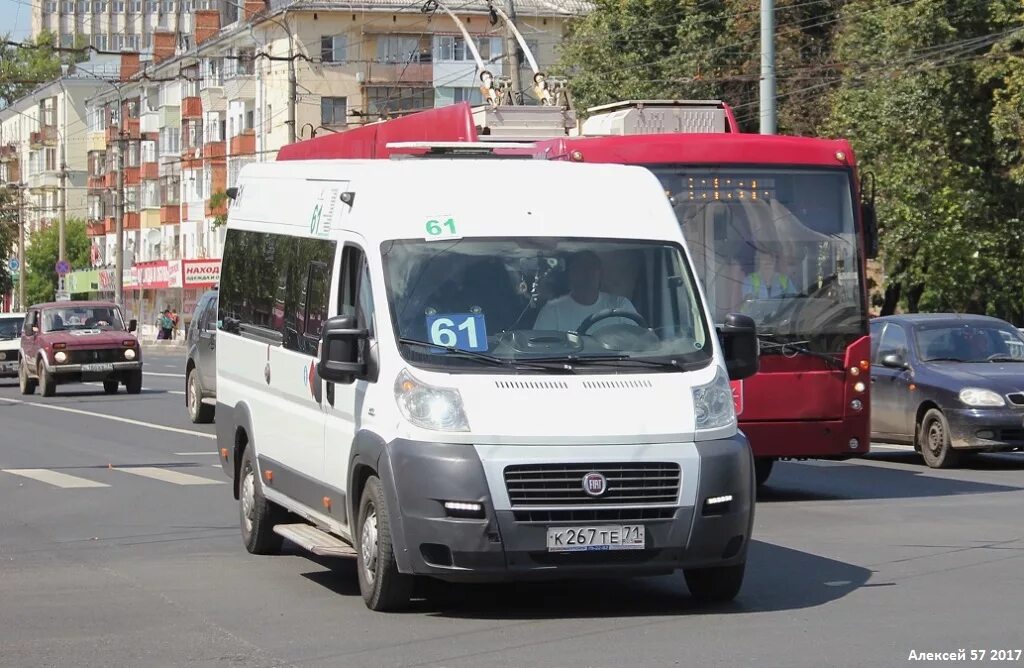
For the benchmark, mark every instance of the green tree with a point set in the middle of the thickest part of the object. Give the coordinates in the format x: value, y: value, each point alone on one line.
x: 41, y: 258
x: 23, y: 68
x: 916, y: 106
x: 8, y: 236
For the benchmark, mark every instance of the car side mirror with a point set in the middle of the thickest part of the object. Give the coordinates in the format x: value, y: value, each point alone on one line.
x: 739, y: 342
x: 895, y: 361
x: 339, y: 350
x: 133, y: 325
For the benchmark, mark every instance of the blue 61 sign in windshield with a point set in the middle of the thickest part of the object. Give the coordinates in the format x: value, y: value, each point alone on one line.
x: 465, y: 331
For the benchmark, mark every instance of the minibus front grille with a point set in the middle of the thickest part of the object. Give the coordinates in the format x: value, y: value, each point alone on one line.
x: 627, y: 484
x: 577, y: 515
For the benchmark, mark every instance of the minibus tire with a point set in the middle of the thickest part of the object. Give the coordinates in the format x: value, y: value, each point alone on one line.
x: 718, y: 584
x: 389, y: 589
x: 260, y: 539
x: 763, y: 469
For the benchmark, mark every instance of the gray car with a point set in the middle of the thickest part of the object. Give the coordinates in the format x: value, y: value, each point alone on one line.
x: 201, y: 365
x: 947, y: 384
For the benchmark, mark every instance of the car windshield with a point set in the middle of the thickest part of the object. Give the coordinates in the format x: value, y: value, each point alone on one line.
x: 577, y: 304
x: 10, y: 328
x: 969, y: 342
x: 105, y: 318
x: 777, y: 244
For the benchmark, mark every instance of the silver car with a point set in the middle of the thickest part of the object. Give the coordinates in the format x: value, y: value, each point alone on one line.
x: 201, y: 364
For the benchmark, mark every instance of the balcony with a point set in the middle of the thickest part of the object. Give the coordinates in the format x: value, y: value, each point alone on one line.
x: 110, y: 225
x: 191, y: 107
x: 132, y: 130
x: 45, y: 136
x: 170, y: 117
x: 13, y: 172
x: 96, y: 183
x: 132, y: 176
x: 150, y: 171
x: 131, y: 220
x: 48, y: 180
x: 400, y: 72
x: 212, y: 96
x: 213, y: 150
x: 214, y: 211
x: 110, y: 179
x: 170, y: 214
x: 150, y: 218
x: 240, y: 87
x: 8, y: 153
x: 243, y: 144
x: 96, y: 228
x: 96, y: 141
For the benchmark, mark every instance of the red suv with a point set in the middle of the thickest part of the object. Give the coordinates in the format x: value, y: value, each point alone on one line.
x: 79, y: 341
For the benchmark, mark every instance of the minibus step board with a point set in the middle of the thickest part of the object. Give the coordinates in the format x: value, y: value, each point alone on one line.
x: 316, y: 541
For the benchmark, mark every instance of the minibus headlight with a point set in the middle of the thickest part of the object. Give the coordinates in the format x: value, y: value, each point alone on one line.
x: 712, y: 403
x: 429, y: 407
x: 976, y: 396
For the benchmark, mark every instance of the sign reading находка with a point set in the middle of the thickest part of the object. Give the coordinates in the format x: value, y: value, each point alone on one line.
x: 201, y: 273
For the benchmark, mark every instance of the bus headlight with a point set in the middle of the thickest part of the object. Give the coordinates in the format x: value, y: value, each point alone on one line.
x: 429, y: 407
x: 976, y: 396
x: 712, y: 403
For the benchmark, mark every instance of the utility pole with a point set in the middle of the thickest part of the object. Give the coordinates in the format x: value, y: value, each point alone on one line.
x: 119, y: 208
x: 512, y: 49
x: 768, y: 67
x: 62, y: 229
x: 21, y: 249
x: 291, y: 85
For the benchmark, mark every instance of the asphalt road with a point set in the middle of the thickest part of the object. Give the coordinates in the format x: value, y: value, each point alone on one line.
x: 854, y: 564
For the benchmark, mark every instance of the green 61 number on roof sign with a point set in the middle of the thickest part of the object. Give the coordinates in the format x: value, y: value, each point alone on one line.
x: 441, y: 227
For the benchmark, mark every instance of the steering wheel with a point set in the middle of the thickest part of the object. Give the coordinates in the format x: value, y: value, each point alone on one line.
x: 589, y: 321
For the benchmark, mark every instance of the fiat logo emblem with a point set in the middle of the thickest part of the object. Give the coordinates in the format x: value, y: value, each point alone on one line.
x: 594, y: 484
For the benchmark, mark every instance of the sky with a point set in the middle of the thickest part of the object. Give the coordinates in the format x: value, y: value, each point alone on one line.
x: 16, y: 18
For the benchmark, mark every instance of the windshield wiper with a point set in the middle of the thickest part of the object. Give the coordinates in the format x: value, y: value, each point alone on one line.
x: 797, y: 348
x: 479, y: 357
x: 1004, y: 359
x: 606, y: 359
x: 945, y: 359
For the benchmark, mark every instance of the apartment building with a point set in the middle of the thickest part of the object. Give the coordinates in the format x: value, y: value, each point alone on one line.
x: 40, y: 134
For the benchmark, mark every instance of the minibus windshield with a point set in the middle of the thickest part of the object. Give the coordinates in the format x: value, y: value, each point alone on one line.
x: 588, y: 305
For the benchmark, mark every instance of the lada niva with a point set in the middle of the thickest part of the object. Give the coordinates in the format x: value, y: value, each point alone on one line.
x: 78, y: 342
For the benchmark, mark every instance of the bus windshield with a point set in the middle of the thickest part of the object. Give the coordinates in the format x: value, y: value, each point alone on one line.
x: 777, y: 244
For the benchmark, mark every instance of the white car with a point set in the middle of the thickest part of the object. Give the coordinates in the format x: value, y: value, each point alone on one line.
x: 10, y: 343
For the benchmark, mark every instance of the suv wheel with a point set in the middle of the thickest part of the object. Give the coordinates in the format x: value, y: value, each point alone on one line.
x: 28, y: 385
x: 47, y: 383
x: 133, y: 382
x: 198, y: 412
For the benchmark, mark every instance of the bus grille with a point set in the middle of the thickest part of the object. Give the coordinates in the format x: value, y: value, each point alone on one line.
x: 630, y: 483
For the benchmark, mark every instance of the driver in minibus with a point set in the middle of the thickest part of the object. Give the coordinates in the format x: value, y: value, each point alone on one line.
x: 585, y: 298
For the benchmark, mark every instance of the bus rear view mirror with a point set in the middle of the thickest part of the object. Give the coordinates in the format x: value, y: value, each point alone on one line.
x: 339, y: 352
x: 739, y: 344
x: 870, y: 220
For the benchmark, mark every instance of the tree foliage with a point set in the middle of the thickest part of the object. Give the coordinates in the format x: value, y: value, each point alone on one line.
x: 41, y: 258
x: 22, y: 69
x: 930, y: 93
x: 8, y: 237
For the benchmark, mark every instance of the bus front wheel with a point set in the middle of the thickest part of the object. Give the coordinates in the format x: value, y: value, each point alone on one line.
x: 762, y: 469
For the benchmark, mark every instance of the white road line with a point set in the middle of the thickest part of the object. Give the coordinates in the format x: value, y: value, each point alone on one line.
x: 113, y: 418
x: 175, y: 477
x: 54, y: 478
x: 904, y: 448
x: 193, y: 454
x: 146, y: 389
x: 162, y: 375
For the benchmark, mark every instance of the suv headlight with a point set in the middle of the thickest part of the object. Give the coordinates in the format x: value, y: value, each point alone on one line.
x: 712, y: 403
x: 976, y: 396
x: 429, y: 407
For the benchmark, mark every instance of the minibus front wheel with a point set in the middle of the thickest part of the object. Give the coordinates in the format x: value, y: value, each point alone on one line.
x: 718, y: 584
x: 383, y: 587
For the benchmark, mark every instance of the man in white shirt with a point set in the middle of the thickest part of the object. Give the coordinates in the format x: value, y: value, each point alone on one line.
x: 566, y: 313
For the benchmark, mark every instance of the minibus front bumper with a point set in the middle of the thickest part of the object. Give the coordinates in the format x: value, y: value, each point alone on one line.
x: 495, y: 545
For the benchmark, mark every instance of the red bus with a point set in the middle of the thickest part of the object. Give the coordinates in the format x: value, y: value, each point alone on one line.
x: 778, y: 228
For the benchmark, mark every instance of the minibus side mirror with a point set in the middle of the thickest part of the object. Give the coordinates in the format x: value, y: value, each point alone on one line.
x: 739, y: 343
x: 339, y: 350
x: 133, y: 325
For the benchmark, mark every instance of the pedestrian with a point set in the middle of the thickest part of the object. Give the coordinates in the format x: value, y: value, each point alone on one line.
x: 166, y: 325
x: 174, y: 320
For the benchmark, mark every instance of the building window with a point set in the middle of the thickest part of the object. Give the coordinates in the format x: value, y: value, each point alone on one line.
x: 99, y: 6
x: 472, y: 95
x: 333, y: 48
x: 51, y: 159
x: 333, y: 110
x: 68, y: 6
x: 135, y: 6
x: 453, y: 49
x: 67, y: 41
x: 131, y: 42
x: 99, y: 42
x: 83, y: 6
x: 116, y: 42
x: 119, y: 6
x: 384, y: 100
x: 51, y: 6
x: 248, y: 119
x: 152, y: 6
x: 398, y: 48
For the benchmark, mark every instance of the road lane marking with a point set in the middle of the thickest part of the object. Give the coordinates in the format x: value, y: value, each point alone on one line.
x: 194, y: 454
x: 113, y: 418
x: 175, y: 477
x: 163, y: 375
x: 146, y: 389
x: 904, y: 448
x: 54, y: 478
